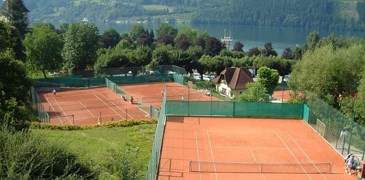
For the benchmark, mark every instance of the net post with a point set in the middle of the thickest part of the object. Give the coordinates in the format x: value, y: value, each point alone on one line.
x: 73, y: 119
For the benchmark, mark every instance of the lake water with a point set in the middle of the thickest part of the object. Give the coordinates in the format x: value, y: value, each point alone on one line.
x: 250, y: 36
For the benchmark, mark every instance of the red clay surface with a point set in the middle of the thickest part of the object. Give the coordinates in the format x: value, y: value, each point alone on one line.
x: 87, y: 106
x: 151, y: 93
x: 243, y: 140
x: 282, y: 95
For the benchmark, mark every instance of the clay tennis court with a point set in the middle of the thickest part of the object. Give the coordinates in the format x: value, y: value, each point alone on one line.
x: 282, y: 95
x: 87, y: 106
x: 245, y: 148
x: 151, y: 93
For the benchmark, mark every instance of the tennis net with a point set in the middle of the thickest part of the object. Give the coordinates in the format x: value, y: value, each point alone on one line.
x: 288, y: 168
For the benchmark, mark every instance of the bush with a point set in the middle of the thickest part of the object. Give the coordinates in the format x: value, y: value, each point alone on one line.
x: 26, y: 156
x: 125, y: 165
x: 123, y: 123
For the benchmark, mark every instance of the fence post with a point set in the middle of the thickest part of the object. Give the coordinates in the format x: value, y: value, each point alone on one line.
x: 352, y: 127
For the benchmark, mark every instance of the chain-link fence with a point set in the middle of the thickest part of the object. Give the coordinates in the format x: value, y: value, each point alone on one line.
x: 37, y: 105
x: 340, y: 131
x: 157, y: 143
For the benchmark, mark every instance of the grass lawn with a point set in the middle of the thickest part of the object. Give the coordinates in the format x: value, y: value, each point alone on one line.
x: 94, y: 146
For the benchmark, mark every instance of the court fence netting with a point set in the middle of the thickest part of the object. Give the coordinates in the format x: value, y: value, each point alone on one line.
x: 341, y: 131
x: 147, y: 108
x: 43, y: 116
x: 236, y: 167
x: 123, y: 75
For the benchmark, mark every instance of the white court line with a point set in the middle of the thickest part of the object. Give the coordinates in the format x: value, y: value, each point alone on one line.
x: 240, y: 147
x: 108, y: 106
x: 197, y: 151
x: 54, y: 110
x: 63, y: 112
x: 306, y: 155
x: 86, y: 109
x: 211, y: 152
x: 292, y: 154
x: 117, y: 106
x: 254, y: 157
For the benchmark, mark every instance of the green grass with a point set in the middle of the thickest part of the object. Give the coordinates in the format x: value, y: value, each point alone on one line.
x: 94, y: 146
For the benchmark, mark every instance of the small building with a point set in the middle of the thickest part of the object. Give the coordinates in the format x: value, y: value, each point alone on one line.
x: 231, y: 82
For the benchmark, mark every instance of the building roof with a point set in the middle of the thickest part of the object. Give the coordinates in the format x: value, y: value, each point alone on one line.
x: 236, y: 78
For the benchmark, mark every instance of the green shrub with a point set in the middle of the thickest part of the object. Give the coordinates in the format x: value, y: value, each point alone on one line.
x: 25, y: 156
x: 124, y: 165
x: 123, y: 123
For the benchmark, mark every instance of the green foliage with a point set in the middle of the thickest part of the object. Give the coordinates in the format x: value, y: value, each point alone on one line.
x: 43, y: 48
x: 124, y: 123
x: 110, y: 38
x: 125, y: 165
x: 103, y: 148
x: 329, y: 73
x: 8, y: 36
x: 81, y: 45
x: 26, y: 156
x: 14, y: 86
x: 268, y: 78
x: 255, y: 92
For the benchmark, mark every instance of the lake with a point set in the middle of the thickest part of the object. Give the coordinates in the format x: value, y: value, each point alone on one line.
x: 250, y: 36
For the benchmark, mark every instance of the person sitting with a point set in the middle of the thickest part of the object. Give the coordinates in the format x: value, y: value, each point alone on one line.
x: 349, y: 162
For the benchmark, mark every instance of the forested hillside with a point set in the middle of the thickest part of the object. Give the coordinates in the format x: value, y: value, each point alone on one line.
x: 328, y: 14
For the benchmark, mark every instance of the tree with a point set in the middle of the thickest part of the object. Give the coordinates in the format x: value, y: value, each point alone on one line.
x: 166, y: 30
x: 212, y: 46
x: 238, y: 46
x: 81, y: 45
x: 110, y: 38
x: 269, y: 50
x: 8, y: 37
x: 288, y: 54
x: 182, y: 42
x: 312, y: 40
x: 14, y: 85
x: 329, y: 74
x: 255, y: 92
x: 17, y: 14
x: 253, y: 52
x: 43, y: 48
x: 268, y: 78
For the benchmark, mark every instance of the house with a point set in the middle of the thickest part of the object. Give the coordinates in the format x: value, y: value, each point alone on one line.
x: 232, y: 81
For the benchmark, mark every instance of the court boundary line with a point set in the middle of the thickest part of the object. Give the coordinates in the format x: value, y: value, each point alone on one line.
x: 87, y: 109
x: 53, y: 111
x: 292, y: 154
x: 197, y: 151
x: 211, y: 152
x: 62, y: 111
x: 116, y: 105
x: 305, y: 154
x: 108, y: 105
x: 254, y: 157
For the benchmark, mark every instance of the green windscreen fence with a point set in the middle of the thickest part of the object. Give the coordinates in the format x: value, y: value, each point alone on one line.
x: 234, y: 109
x: 70, y: 81
x: 339, y: 130
x: 157, y: 143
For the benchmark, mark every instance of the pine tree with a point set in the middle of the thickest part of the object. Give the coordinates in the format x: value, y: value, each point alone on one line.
x: 17, y: 14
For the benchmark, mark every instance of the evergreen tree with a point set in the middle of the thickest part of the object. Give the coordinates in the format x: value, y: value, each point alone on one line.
x: 17, y: 14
